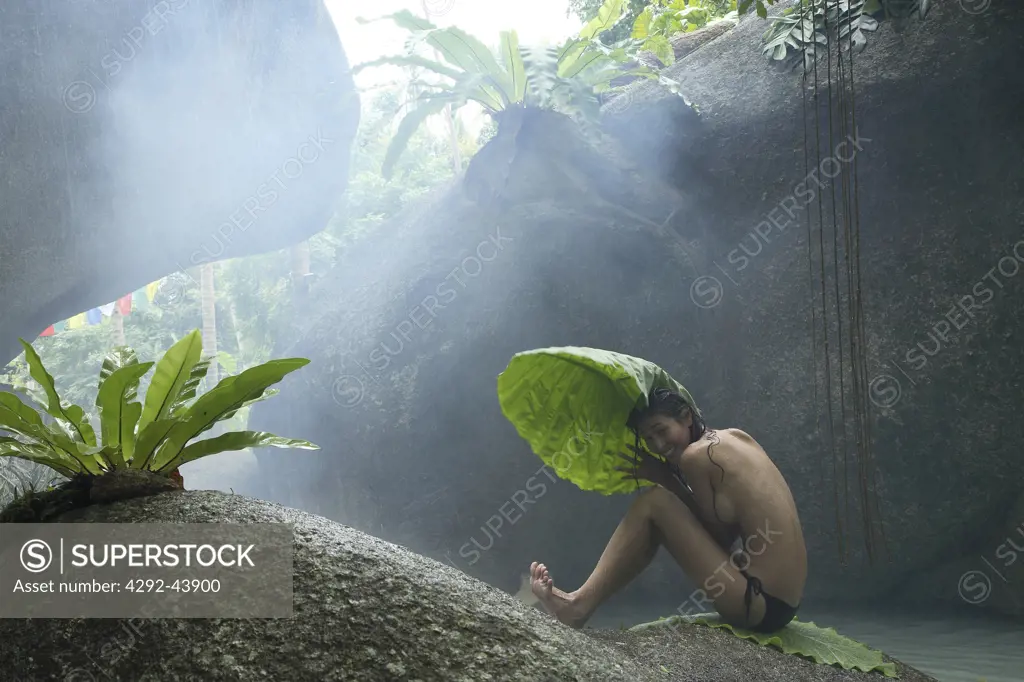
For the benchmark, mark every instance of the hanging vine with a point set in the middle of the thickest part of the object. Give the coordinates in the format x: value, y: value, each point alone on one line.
x: 839, y: 348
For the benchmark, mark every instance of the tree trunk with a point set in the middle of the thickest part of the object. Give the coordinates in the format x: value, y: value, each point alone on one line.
x: 453, y: 139
x: 239, y: 340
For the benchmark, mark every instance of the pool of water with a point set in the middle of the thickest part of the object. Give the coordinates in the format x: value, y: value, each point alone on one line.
x: 949, y: 648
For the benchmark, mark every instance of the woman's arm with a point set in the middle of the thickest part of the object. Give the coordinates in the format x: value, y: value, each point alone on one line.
x: 669, y: 477
x: 723, y: 535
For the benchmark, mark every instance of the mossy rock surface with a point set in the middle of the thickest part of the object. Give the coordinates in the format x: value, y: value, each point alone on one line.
x: 368, y: 610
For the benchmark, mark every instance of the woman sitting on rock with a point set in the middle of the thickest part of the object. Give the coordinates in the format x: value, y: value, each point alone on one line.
x: 720, y: 507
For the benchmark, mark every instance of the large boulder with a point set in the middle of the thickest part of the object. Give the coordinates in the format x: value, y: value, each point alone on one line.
x: 550, y: 241
x: 140, y: 138
x: 989, y: 576
x: 368, y: 610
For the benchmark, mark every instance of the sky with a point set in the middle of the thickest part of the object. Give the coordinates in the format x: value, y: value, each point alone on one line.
x: 535, y: 22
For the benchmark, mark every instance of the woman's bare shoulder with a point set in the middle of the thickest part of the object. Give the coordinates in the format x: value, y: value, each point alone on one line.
x: 725, y: 441
x: 738, y: 434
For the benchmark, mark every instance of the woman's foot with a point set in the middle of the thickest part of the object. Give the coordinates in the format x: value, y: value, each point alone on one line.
x: 565, y: 607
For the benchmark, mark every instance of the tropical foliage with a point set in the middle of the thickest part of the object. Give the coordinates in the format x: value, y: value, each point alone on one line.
x: 662, y: 19
x: 810, y: 26
x: 567, y: 78
x: 155, y: 434
x: 813, y: 25
x: 259, y: 309
x: 588, y: 9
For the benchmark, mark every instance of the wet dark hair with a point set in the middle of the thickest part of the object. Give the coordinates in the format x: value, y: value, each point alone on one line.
x: 669, y: 403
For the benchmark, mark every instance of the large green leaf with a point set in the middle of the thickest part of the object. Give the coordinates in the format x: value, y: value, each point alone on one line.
x: 10, y: 447
x: 190, y: 388
x: 236, y: 440
x: 412, y: 121
x: 822, y: 645
x: 129, y: 418
x: 586, y: 59
x: 567, y: 55
x: 60, y: 441
x: 607, y: 17
x: 662, y: 49
x: 120, y: 356
x: 117, y: 419
x: 226, y: 397
x: 21, y: 419
x: 470, y: 86
x: 456, y: 47
x: 227, y: 361
x: 148, y: 440
x: 513, y: 66
x: 572, y: 404
x: 16, y: 416
x: 73, y: 415
x: 169, y: 377
x: 642, y: 25
x: 269, y: 393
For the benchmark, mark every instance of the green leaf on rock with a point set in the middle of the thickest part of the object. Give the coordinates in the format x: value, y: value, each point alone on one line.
x: 822, y: 645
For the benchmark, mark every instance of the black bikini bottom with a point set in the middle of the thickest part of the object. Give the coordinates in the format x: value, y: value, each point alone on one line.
x: 777, y: 613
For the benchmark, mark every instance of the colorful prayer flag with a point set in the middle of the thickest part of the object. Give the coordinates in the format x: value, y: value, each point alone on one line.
x: 140, y: 300
x: 48, y: 331
x: 93, y: 316
x: 151, y: 290
x: 60, y: 326
x: 124, y: 304
x: 77, y: 321
x: 107, y: 309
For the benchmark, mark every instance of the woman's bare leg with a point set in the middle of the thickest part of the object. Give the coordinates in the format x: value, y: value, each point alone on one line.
x: 656, y: 517
x: 631, y: 549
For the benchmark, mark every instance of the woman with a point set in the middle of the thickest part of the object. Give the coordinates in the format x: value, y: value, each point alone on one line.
x: 722, y: 510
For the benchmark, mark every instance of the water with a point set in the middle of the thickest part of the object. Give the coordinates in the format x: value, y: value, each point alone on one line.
x: 949, y: 648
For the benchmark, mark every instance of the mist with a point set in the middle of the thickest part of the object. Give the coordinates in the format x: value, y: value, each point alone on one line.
x: 217, y: 163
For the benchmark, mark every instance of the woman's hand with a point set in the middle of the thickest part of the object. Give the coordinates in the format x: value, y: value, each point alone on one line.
x: 644, y: 465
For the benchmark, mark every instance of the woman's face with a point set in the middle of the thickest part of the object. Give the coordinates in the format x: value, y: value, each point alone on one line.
x: 666, y: 436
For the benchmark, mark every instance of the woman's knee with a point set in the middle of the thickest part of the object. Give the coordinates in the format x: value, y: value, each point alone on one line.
x: 652, y: 498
